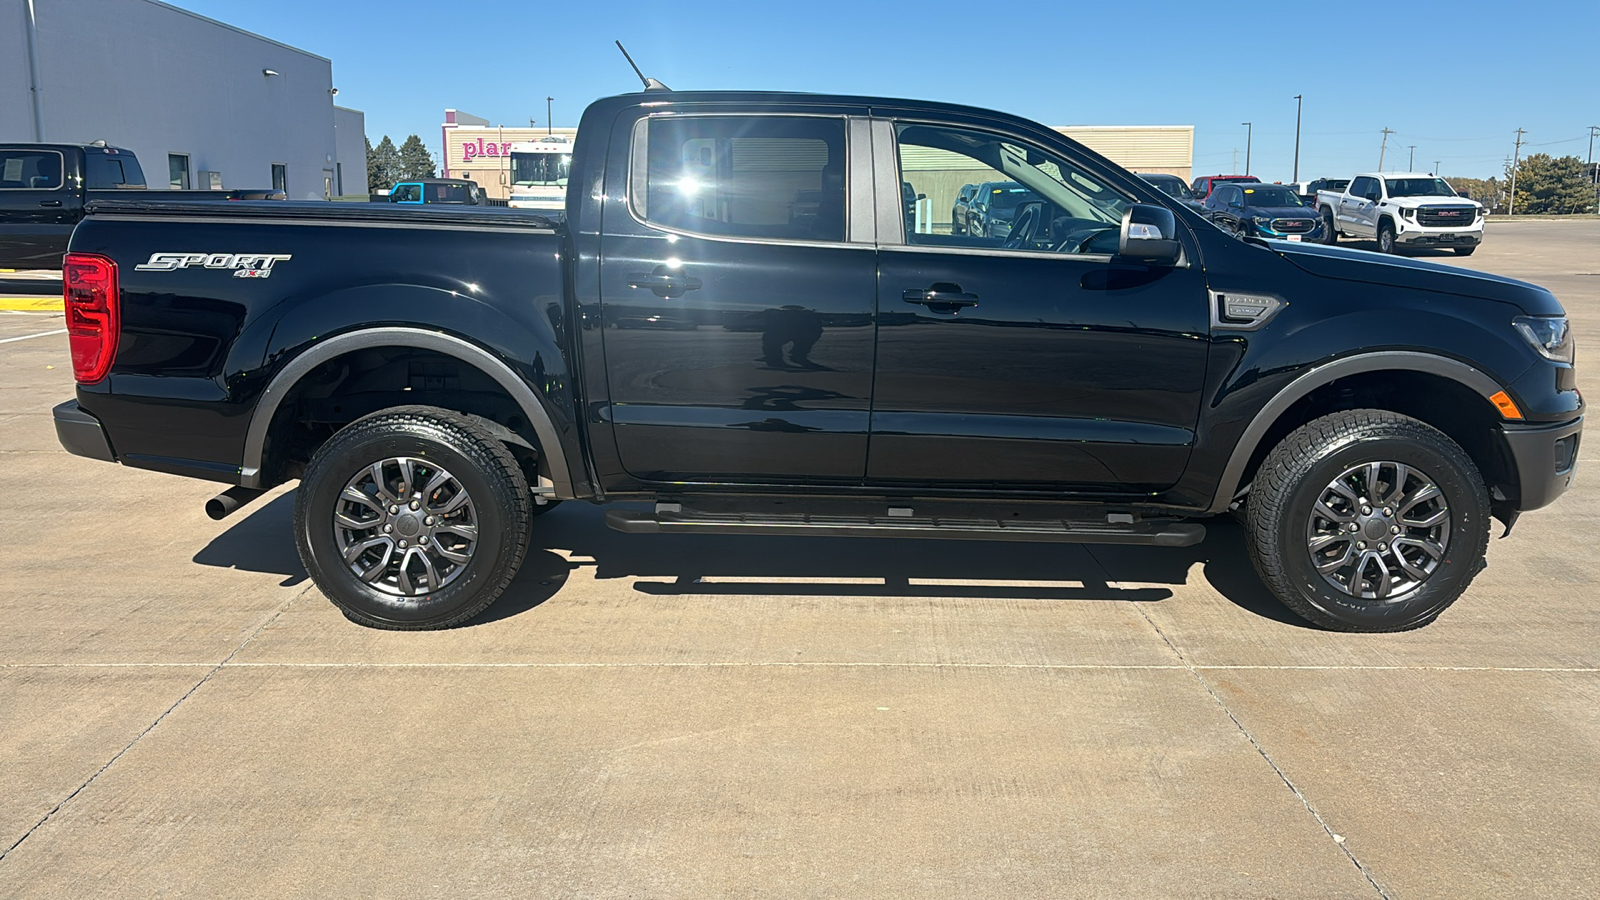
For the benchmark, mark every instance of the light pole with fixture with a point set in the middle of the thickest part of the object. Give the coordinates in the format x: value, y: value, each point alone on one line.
x: 548, y: 128
x: 1298, y: 105
x: 1248, y: 135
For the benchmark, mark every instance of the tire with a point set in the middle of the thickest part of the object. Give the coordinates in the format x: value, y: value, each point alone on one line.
x: 1464, y: 251
x: 456, y: 562
x: 1386, y: 242
x: 1330, y: 234
x: 1301, y: 478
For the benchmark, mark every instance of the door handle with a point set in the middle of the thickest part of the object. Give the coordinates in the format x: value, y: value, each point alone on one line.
x: 664, y: 282
x: 942, y: 297
x: 49, y: 202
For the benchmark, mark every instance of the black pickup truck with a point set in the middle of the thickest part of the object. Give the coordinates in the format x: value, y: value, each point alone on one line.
x: 45, y: 187
x: 736, y: 321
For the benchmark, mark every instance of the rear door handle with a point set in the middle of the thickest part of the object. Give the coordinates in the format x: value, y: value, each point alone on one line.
x: 49, y: 202
x: 664, y: 282
x: 940, y: 297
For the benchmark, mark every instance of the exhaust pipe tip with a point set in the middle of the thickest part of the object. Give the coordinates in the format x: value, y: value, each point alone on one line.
x: 229, y: 501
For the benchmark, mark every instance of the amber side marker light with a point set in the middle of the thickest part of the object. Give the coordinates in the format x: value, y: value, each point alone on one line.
x: 1502, y: 402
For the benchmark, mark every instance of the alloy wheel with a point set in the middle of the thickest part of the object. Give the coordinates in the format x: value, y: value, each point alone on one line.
x: 1379, y: 530
x: 405, y: 526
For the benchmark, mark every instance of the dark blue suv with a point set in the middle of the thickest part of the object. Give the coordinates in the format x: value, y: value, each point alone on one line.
x: 1272, y: 211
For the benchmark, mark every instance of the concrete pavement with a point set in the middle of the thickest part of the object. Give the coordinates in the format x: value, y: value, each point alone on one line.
x: 181, y: 714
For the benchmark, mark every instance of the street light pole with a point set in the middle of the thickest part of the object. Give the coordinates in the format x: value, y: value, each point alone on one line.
x: 549, y: 128
x: 1248, y: 135
x: 1298, y: 105
x: 1593, y: 172
x: 1411, y: 162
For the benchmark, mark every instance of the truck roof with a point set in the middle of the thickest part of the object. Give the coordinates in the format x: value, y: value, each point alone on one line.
x: 1394, y: 175
x: 101, y: 147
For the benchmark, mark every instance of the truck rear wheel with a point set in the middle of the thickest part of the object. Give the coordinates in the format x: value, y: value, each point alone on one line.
x: 1330, y: 233
x: 1368, y: 520
x: 412, y: 518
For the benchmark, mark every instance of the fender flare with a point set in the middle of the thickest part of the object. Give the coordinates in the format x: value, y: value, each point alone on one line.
x: 1408, y: 360
x: 261, y: 419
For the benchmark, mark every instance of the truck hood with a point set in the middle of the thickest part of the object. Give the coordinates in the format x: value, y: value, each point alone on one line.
x: 1366, y: 267
x: 1415, y: 202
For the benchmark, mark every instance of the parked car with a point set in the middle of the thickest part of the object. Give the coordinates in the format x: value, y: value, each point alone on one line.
x: 1263, y: 210
x: 453, y: 191
x: 1173, y: 187
x: 1205, y: 184
x: 436, y: 377
x: 1401, y: 211
x: 992, y: 207
x: 43, y: 189
x: 959, y: 210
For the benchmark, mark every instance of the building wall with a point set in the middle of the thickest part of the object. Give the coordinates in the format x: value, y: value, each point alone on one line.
x: 468, y: 142
x: 1168, y: 149
x: 156, y: 80
x: 350, y: 152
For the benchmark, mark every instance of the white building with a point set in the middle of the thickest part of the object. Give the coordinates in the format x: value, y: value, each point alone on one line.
x: 187, y: 94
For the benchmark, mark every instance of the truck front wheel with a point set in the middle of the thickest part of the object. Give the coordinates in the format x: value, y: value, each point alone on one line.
x: 1386, y: 236
x: 412, y: 518
x: 1368, y: 520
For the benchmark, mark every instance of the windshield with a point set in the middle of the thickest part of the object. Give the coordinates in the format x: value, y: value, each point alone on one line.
x: 1171, y: 186
x: 1419, y: 187
x: 541, y: 168
x: 1271, y: 196
x: 1008, y: 196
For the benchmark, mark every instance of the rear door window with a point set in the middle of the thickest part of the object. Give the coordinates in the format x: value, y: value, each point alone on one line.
x: 104, y: 172
x: 777, y: 177
x: 38, y: 170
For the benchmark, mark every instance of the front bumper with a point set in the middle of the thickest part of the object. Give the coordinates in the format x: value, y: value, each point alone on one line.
x: 81, y: 433
x: 1547, y: 460
x: 1413, y: 235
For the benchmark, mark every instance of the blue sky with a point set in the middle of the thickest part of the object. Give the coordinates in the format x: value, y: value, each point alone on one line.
x: 1530, y: 65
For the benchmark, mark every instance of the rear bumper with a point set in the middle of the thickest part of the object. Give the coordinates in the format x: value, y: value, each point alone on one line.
x: 1546, y: 458
x: 81, y: 433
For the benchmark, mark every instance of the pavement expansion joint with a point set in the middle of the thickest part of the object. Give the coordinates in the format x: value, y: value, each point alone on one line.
x: 812, y: 664
x: 1338, y: 839
x: 215, y: 668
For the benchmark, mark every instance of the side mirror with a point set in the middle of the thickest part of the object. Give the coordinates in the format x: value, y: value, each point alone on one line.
x: 1234, y: 204
x: 1149, y: 235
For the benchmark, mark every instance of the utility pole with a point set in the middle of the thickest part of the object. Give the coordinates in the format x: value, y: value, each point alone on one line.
x: 1250, y: 131
x: 1298, y: 105
x: 549, y: 127
x: 1593, y: 172
x: 1516, y: 159
x: 1236, y: 160
x: 1435, y: 168
x: 1385, y: 148
x: 1411, y: 163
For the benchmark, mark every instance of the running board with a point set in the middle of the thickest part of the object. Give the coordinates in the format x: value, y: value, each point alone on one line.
x: 1160, y: 533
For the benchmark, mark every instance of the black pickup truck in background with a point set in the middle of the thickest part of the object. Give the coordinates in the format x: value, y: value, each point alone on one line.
x: 44, y: 188
x: 737, y: 321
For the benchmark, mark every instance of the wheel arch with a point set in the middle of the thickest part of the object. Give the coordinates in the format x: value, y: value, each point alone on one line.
x: 1294, y: 405
x: 553, y: 461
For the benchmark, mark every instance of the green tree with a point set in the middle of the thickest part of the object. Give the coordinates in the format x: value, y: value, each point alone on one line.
x: 1546, y: 184
x: 415, y: 160
x: 383, y: 166
x: 1491, y: 192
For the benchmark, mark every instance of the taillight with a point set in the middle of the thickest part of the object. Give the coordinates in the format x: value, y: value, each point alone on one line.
x: 89, y: 291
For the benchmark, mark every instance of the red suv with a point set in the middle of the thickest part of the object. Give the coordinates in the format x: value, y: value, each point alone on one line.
x: 1202, y: 186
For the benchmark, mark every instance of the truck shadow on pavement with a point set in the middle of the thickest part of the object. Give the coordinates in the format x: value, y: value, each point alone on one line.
x: 666, y: 565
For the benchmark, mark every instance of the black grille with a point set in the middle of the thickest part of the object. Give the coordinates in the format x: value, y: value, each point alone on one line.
x: 1294, y: 226
x: 1446, y: 216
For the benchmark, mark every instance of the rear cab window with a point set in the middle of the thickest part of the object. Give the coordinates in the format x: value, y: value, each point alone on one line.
x: 769, y: 177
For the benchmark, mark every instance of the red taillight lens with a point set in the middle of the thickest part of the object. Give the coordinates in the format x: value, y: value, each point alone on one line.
x: 89, y: 291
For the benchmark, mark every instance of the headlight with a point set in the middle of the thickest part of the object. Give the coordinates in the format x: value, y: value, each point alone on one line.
x: 1483, y: 211
x: 1550, y: 335
x: 1263, y: 221
x: 1409, y: 213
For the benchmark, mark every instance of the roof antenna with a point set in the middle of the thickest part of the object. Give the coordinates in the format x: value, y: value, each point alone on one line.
x: 650, y: 84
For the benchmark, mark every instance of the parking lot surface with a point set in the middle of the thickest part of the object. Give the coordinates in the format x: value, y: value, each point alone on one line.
x: 182, y: 714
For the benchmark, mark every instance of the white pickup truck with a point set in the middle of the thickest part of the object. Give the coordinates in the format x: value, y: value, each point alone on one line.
x: 1400, y: 210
